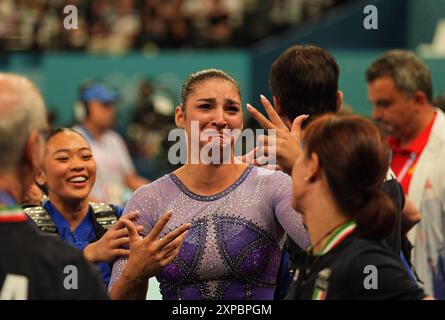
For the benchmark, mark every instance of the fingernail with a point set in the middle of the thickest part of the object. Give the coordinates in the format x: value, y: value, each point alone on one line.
x: 262, y: 97
x: 249, y: 107
x: 169, y: 214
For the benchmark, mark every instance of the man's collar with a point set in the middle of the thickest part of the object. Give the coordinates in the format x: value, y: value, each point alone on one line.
x: 417, y: 145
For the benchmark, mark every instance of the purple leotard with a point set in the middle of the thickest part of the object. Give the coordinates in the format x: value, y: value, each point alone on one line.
x: 233, y: 248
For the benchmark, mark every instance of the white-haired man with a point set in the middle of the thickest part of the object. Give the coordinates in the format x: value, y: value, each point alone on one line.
x: 32, y: 266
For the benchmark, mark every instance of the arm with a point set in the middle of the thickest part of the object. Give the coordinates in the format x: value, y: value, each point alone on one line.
x: 129, y: 288
x: 134, y: 181
x: 410, y: 217
x: 290, y: 220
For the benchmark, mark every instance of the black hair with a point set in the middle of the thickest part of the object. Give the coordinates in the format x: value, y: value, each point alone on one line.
x: 304, y: 79
x: 201, y: 76
x: 56, y: 131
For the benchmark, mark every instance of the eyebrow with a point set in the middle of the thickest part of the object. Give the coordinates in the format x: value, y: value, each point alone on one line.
x: 68, y: 150
x: 383, y: 101
x: 213, y: 100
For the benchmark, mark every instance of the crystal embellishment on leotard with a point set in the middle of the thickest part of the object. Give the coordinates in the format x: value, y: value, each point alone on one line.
x: 214, y: 197
x: 232, y: 250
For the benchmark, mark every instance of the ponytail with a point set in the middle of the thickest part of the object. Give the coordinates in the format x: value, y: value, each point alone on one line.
x: 377, y: 217
x: 354, y: 157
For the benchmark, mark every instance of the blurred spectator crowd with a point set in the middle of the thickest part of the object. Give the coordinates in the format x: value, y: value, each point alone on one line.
x: 114, y: 26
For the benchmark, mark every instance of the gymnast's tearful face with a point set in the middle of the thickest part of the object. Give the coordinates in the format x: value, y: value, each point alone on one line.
x: 215, y: 104
x: 69, y: 169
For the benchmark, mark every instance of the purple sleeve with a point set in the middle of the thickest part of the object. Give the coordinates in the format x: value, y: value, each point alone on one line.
x: 289, y: 219
x: 124, y: 156
x: 145, y: 203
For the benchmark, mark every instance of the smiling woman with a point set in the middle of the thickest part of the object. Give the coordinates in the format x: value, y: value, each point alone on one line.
x: 68, y: 169
x: 69, y: 172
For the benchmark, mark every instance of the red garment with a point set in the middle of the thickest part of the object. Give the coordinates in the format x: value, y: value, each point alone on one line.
x: 404, y: 160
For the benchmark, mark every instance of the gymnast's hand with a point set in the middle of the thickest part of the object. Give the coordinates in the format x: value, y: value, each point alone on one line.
x: 286, y: 145
x: 150, y: 254
x: 113, y: 243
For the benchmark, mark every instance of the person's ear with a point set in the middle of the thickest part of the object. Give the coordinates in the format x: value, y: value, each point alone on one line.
x: 279, y: 109
x: 40, y: 178
x: 420, y: 98
x: 277, y: 105
x: 179, y: 117
x: 339, y: 100
x: 313, y: 168
x: 34, y: 149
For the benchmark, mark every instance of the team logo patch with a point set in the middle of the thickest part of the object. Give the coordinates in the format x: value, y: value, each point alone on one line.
x: 321, y: 285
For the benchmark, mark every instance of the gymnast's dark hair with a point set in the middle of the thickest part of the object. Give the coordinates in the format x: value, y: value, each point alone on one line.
x: 198, y: 77
x: 56, y: 131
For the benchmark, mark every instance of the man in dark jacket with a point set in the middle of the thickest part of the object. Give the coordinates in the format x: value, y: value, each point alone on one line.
x: 32, y: 266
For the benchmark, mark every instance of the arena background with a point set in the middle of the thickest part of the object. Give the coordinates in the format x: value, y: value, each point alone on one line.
x: 242, y: 37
